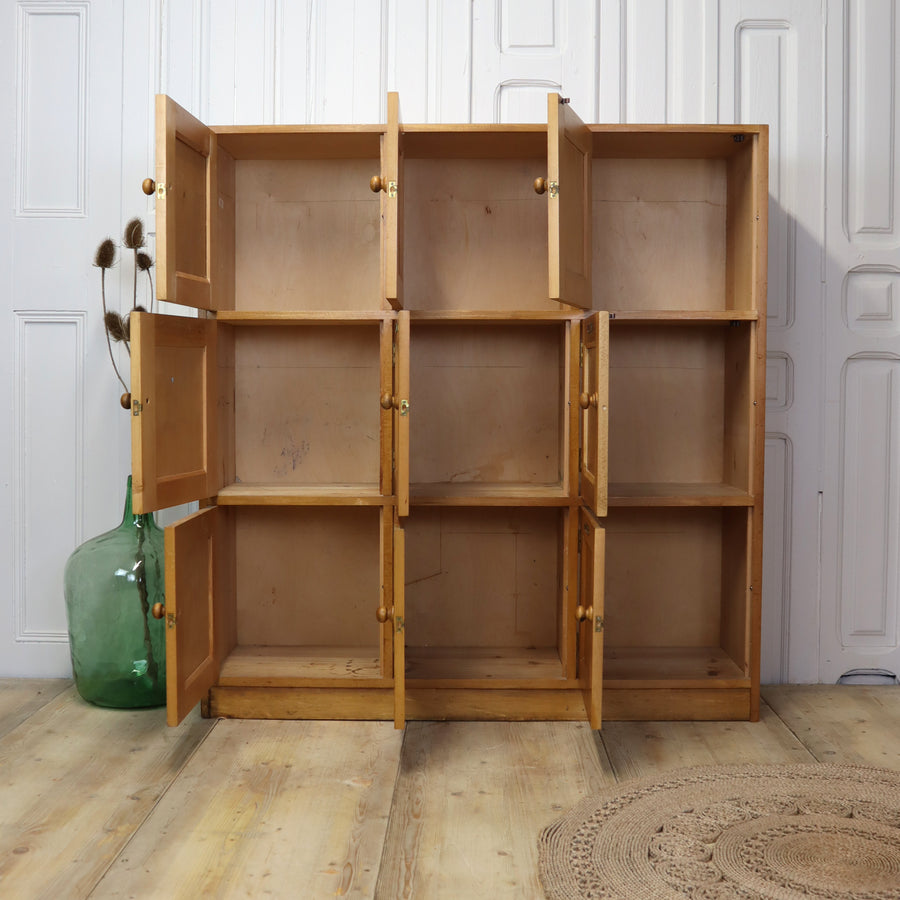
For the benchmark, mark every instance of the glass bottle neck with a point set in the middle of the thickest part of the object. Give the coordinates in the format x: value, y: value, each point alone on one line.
x: 130, y: 519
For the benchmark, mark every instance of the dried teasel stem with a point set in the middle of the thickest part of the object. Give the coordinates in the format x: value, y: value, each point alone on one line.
x: 112, y: 357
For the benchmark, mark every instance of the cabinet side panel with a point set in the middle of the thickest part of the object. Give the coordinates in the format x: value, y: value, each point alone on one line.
x: 736, y: 593
x: 225, y: 422
x: 739, y: 411
x: 223, y: 284
x: 742, y: 228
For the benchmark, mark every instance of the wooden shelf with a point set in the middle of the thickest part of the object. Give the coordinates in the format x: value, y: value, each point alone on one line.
x: 668, y: 494
x: 671, y: 667
x: 297, y: 666
x: 485, y: 494
x: 302, y: 317
x: 683, y: 316
x: 472, y: 666
x: 302, y: 495
x: 490, y: 316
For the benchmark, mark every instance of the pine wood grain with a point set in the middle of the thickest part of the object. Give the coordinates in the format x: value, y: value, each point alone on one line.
x: 847, y: 724
x: 639, y: 749
x: 470, y: 801
x: 286, y: 809
x: 19, y: 699
x: 76, y: 782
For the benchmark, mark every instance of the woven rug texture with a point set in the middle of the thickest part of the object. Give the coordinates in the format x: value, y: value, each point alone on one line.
x: 745, y: 832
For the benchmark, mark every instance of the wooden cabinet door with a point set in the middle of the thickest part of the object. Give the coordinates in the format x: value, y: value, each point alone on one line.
x: 592, y: 549
x: 173, y: 427
x: 192, y: 657
x: 399, y: 624
x: 594, y: 400
x: 569, y: 152
x: 401, y: 412
x: 186, y: 204
x: 391, y: 207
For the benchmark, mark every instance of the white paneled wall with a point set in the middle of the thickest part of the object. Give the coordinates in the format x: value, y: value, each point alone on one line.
x: 79, y: 76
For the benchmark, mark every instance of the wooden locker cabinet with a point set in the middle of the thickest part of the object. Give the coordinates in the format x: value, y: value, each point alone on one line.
x: 437, y: 481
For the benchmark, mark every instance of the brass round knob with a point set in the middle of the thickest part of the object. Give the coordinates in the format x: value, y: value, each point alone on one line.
x: 581, y: 613
x: 148, y: 187
x: 158, y: 610
x: 540, y: 185
x: 376, y: 184
x: 383, y: 614
x: 125, y: 400
x: 586, y: 400
x: 387, y: 400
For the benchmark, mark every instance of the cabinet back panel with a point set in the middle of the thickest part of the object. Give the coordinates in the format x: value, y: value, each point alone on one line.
x: 307, y: 235
x: 486, y: 404
x: 666, y: 404
x: 482, y: 577
x: 475, y: 234
x: 663, y: 578
x: 306, y: 404
x: 308, y: 577
x: 659, y: 233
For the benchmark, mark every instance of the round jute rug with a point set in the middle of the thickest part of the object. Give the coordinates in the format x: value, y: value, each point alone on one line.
x: 746, y: 832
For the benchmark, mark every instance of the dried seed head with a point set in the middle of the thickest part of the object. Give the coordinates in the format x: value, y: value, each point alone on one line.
x: 143, y: 261
x: 105, y: 255
x: 134, y: 234
x: 116, y: 326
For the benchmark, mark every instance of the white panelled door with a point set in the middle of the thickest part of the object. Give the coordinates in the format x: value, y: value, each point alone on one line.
x: 861, y: 476
x: 63, y: 435
x: 772, y: 70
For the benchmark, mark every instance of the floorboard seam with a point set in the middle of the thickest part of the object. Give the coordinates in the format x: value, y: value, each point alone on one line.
x: 162, y: 795
x: 391, y: 814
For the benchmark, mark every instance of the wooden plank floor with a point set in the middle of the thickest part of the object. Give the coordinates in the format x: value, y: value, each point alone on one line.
x: 101, y: 803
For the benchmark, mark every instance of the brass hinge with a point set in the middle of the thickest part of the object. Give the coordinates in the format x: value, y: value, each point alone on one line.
x: 136, y: 407
x: 554, y: 190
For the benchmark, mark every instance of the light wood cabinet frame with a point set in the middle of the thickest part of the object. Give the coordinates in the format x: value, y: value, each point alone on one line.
x: 472, y: 445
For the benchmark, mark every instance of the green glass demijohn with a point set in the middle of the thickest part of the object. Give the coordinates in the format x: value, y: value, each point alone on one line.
x: 111, y: 584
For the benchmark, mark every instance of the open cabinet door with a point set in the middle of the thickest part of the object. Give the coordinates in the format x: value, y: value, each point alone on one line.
x: 173, y: 429
x: 192, y: 658
x: 569, y: 152
x: 592, y: 550
x: 186, y: 204
x: 401, y: 412
x: 594, y: 400
x: 391, y: 207
x: 399, y: 623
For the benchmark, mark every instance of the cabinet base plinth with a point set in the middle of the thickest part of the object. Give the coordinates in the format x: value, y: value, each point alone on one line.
x: 471, y: 704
